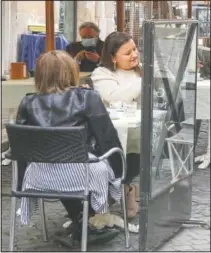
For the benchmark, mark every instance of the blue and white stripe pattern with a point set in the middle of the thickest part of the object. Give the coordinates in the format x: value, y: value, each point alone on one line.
x: 70, y: 178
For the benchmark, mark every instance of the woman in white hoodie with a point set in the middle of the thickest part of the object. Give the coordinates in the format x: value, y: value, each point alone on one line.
x: 120, y: 80
x: 120, y: 77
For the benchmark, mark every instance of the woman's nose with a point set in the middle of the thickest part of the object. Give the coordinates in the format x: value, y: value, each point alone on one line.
x: 135, y: 53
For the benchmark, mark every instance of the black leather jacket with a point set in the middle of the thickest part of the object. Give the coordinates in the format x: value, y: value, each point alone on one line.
x: 75, y: 107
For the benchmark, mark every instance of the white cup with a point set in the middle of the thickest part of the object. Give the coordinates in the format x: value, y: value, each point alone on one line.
x: 130, y: 109
x: 116, y: 105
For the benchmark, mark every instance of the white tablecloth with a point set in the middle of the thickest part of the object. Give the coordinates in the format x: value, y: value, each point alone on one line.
x: 129, y: 131
x: 203, y: 100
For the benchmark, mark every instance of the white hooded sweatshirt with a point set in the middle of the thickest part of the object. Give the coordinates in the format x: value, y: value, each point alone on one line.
x: 121, y: 85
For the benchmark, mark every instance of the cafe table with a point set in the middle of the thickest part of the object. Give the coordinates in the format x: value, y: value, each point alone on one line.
x: 12, y: 93
x: 14, y: 90
x: 129, y: 129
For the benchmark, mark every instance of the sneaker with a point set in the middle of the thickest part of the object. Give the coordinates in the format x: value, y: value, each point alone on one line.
x: 95, y: 236
x: 100, y: 236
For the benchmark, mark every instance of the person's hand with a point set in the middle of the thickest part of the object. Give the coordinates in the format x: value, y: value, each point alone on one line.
x: 80, y: 56
x: 84, y: 86
x: 92, y: 56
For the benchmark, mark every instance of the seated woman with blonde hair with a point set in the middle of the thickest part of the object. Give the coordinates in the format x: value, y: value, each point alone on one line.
x: 59, y: 102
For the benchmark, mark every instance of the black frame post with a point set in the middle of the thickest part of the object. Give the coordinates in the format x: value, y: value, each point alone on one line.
x: 146, y: 131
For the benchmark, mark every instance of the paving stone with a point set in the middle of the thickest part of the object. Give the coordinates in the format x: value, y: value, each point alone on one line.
x: 199, y: 242
x: 179, y: 242
x: 190, y: 239
x: 183, y: 248
x: 198, y: 234
x: 205, y: 248
x: 196, y: 238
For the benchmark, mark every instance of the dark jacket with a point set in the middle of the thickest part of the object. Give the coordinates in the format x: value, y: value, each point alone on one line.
x: 85, y: 65
x: 75, y: 107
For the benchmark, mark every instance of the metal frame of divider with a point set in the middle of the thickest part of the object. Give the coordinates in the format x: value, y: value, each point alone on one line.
x: 147, y: 114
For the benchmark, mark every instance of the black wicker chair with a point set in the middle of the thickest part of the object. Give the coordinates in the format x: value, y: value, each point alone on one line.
x: 54, y: 145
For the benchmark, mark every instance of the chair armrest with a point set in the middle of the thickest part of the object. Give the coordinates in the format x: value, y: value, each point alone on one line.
x: 170, y: 126
x: 94, y: 160
x: 111, y: 152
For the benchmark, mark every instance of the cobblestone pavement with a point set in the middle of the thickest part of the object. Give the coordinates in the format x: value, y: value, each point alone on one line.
x: 196, y: 238
x: 191, y: 238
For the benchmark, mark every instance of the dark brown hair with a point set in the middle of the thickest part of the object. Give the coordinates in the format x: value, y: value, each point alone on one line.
x: 55, y: 71
x: 111, y: 45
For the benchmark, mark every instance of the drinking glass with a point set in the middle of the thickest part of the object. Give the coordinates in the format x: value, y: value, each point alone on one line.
x: 130, y: 109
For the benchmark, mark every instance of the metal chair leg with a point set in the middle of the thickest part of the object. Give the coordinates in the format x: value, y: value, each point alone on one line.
x: 124, y: 206
x: 85, y: 225
x: 171, y: 160
x: 12, y: 224
x: 191, y: 158
x: 43, y: 221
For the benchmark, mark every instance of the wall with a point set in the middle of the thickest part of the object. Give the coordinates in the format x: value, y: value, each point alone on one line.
x: 69, y: 20
x: 99, y: 12
x: 16, y: 16
x: 9, y: 38
x: 104, y: 17
x: 2, y: 30
x: 33, y: 12
x: 1, y: 67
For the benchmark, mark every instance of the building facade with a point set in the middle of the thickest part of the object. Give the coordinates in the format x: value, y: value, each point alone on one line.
x: 17, y: 15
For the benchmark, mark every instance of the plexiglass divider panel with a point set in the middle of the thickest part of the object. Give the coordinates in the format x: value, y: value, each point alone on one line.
x: 168, y: 127
x: 173, y: 99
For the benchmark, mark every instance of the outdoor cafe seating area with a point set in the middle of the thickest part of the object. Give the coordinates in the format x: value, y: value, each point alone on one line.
x: 160, y: 127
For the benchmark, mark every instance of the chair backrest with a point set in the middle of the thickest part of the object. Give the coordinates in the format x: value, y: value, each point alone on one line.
x: 47, y: 144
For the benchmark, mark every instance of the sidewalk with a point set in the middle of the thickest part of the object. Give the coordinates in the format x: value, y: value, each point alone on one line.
x: 196, y: 238
x: 191, y: 238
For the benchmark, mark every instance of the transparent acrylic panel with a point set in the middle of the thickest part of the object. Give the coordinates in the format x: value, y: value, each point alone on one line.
x: 203, y: 15
x: 67, y: 19
x: 173, y: 103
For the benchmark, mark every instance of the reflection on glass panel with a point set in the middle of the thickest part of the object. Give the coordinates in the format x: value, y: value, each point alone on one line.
x: 204, y: 14
x: 204, y: 19
x: 173, y: 103
x: 61, y: 16
x: 67, y: 19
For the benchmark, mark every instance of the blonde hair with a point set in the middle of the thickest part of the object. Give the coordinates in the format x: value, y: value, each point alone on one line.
x: 55, y: 71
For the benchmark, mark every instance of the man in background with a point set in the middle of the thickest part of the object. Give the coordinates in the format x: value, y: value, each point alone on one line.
x: 87, y: 52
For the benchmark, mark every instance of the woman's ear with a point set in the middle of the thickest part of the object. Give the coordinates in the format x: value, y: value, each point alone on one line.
x: 141, y: 72
x: 113, y: 58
